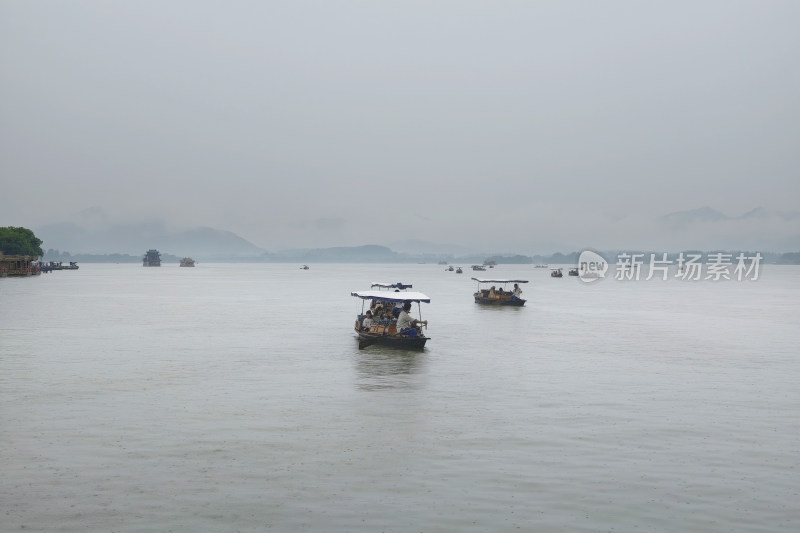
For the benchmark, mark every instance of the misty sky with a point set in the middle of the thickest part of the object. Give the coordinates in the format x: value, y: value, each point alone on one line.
x: 525, y: 126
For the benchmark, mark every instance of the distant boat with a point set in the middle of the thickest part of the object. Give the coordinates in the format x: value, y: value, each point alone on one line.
x: 152, y: 258
x: 304, y: 267
x: 502, y: 296
x: 541, y: 266
x: 556, y: 273
x: 187, y: 262
x: 58, y: 265
x: 459, y: 271
x: 478, y: 267
x: 573, y: 271
x: 450, y: 268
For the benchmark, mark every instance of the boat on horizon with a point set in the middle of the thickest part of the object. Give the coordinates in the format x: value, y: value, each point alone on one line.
x: 502, y: 296
x: 152, y: 258
x: 187, y: 262
x: 59, y: 265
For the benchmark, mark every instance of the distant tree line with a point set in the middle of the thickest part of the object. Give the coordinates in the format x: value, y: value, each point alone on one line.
x: 56, y: 255
x: 380, y: 254
x: 19, y: 241
x: 792, y: 258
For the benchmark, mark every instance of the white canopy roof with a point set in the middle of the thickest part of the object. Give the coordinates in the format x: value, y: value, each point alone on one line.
x: 480, y: 280
x: 392, y: 296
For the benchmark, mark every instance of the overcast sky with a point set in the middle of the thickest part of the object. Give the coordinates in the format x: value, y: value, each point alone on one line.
x: 525, y: 126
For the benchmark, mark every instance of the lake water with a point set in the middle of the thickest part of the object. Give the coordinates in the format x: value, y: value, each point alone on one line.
x: 233, y: 397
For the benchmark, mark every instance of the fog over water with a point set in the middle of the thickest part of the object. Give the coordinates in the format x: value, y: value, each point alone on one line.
x: 522, y: 126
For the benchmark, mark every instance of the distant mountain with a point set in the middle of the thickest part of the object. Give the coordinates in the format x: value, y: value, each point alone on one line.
x: 692, y: 217
x: 413, y: 246
x: 370, y: 253
x: 762, y: 213
x: 210, y: 241
x: 706, y: 214
x: 135, y: 239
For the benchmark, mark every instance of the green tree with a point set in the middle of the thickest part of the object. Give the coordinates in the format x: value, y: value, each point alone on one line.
x: 19, y: 241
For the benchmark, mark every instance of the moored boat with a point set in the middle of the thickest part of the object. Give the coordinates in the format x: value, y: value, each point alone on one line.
x: 58, y: 265
x: 385, y: 305
x: 573, y: 271
x: 501, y: 296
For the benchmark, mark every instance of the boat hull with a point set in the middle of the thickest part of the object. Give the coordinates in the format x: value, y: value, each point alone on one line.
x: 518, y: 302
x: 393, y: 341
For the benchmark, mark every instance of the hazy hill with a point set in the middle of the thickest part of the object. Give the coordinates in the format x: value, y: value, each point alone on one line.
x: 692, y: 217
x: 706, y: 214
x: 137, y: 238
x: 424, y: 247
x: 370, y: 253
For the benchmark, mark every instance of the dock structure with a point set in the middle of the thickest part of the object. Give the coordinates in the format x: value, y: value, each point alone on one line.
x: 18, y: 265
x: 49, y: 266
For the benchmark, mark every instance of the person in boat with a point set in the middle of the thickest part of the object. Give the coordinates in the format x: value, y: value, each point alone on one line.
x: 367, y: 322
x: 516, y: 293
x: 491, y: 292
x: 406, y: 324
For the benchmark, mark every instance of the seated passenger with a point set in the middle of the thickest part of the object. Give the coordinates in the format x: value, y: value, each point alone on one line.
x: 367, y: 322
x: 406, y: 324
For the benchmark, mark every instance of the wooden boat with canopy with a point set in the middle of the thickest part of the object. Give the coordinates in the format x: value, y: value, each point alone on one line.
x: 494, y: 296
x: 383, y: 329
